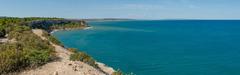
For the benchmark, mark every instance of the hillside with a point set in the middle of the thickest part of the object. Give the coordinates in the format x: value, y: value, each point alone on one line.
x: 28, y: 48
x: 64, y: 66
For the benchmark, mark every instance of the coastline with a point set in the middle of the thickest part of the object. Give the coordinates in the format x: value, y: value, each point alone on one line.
x: 64, y: 66
x: 69, y: 29
x: 42, y: 53
x: 102, y: 66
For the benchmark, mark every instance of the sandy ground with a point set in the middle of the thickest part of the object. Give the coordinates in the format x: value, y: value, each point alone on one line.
x: 64, y: 66
x: 6, y: 40
x: 3, y: 40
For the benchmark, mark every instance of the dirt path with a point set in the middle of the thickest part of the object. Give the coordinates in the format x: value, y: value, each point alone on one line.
x: 64, y: 66
x: 3, y: 40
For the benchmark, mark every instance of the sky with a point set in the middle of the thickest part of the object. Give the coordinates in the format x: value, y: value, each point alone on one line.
x: 134, y: 9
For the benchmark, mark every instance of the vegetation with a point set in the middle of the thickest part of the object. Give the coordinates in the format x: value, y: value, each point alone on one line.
x: 42, y: 23
x: 52, y: 38
x: 73, y: 50
x: 2, y: 30
x: 50, y: 25
x: 29, y: 50
x: 69, y: 24
x: 22, y: 21
x: 118, y: 72
x: 81, y: 56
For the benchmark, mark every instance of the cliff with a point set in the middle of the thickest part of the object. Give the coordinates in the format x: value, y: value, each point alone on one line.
x: 27, y: 48
x: 63, y: 66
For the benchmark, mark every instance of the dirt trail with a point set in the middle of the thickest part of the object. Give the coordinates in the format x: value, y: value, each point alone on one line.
x: 64, y: 66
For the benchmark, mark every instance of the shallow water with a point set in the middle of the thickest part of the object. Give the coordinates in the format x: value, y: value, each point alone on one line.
x: 162, y: 47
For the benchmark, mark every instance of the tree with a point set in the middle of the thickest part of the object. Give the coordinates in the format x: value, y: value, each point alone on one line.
x: 2, y: 30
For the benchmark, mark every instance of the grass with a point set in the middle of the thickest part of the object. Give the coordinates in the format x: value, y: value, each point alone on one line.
x: 29, y: 50
x: 52, y: 38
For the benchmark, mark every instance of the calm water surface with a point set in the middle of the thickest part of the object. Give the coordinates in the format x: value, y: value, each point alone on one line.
x: 165, y: 47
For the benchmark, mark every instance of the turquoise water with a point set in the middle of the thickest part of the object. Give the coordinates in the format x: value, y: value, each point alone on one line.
x: 165, y: 47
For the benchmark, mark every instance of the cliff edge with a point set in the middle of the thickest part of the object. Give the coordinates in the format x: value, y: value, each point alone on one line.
x: 63, y: 66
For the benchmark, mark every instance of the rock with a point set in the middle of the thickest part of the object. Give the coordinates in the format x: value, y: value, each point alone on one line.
x: 55, y: 73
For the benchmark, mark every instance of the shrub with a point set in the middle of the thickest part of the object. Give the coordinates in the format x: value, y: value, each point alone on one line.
x: 81, y: 56
x: 52, y: 38
x: 8, y: 58
x: 73, y: 50
x: 2, y: 30
x: 29, y: 50
x: 17, y: 31
x: 118, y: 72
x: 36, y: 57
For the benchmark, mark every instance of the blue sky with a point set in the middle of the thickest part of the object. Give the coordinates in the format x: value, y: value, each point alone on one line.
x: 137, y: 9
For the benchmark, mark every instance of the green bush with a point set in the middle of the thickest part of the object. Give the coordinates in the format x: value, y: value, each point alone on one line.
x: 8, y: 58
x: 52, y: 38
x: 17, y: 31
x: 29, y: 50
x: 73, y: 50
x: 36, y: 57
x: 2, y: 30
x: 81, y: 56
x: 118, y: 72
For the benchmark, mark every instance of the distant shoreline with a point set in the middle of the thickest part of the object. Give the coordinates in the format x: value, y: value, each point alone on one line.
x: 69, y: 29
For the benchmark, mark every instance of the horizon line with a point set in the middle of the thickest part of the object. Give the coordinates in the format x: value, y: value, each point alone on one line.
x: 129, y: 18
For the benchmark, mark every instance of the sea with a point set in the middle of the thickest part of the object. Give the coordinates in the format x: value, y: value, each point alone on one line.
x: 161, y: 47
